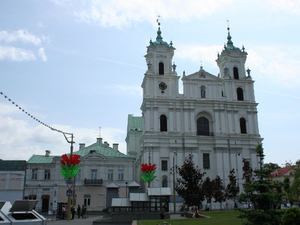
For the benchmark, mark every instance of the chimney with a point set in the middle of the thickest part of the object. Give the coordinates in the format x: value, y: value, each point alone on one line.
x: 81, y: 146
x: 47, y: 153
x: 106, y: 144
x: 115, y: 147
x: 99, y: 141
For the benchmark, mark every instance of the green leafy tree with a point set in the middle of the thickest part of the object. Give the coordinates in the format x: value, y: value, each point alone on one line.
x: 264, y: 195
x: 218, y: 190
x: 189, y: 185
x: 232, y: 188
x: 291, y: 216
x: 207, y: 190
x: 294, y: 190
x: 271, y: 166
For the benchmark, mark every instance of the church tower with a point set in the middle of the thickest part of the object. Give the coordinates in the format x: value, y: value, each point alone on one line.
x: 215, y: 119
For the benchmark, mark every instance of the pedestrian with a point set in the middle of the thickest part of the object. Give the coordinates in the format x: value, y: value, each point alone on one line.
x: 78, y: 211
x: 63, y: 212
x: 162, y: 212
x: 73, y: 212
x: 83, y: 211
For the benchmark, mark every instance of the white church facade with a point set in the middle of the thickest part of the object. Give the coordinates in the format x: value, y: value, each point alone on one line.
x: 215, y: 118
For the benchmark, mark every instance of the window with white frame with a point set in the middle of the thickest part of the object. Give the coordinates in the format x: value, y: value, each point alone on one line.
x: 120, y: 174
x: 87, y: 200
x: 47, y: 174
x: 110, y: 174
x: 93, y: 174
x: 34, y: 174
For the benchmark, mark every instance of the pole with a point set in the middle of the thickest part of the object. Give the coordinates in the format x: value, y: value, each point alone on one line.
x: 73, y: 194
x: 174, y: 196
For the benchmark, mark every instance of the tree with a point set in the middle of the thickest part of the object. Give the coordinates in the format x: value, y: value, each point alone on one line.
x: 294, y: 189
x: 189, y: 185
x: 218, y: 190
x: 207, y: 190
x: 264, y: 195
x: 291, y: 216
x: 271, y: 166
x: 232, y: 188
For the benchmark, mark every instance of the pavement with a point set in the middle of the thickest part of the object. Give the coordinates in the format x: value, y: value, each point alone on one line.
x: 76, y: 221
x: 89, y: 220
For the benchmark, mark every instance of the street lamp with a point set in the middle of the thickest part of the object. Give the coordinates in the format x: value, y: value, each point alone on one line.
x: 174, y: 196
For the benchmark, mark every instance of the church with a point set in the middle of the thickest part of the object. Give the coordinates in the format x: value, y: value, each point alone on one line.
x: 214, y: 119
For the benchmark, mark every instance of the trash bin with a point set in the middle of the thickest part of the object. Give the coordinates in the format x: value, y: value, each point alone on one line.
x: 22, y: 212
x: 4, y: 209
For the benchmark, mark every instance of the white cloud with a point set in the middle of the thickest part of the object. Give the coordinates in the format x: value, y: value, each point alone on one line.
x: 276, y: 64
x: 115, y: 13
x: 21, y: 138
x: 290, y: 6
x: 16, y: 54
x: 42, y: 54
x: 20, y: 35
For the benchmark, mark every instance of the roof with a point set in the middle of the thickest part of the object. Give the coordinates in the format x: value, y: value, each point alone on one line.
x: 159, y: 191
x: 135, y: 123
x: 12, y: 165
x: 230, y: 46
x: 139, y: 197
x: 159, y: 41
x: 281, y: 171
x: 41, y: 159
x: 102, y: 149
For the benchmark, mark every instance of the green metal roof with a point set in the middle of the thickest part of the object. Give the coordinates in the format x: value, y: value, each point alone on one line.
x: 12, y: 165
x: 135, y: 123
x: 41, y: 159
x: 102, y: 149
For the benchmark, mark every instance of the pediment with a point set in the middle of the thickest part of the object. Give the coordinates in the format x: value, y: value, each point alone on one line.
x: 94, y: 154
x: 202, y: 75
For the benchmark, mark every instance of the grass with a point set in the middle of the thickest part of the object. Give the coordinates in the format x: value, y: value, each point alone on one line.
x: 217, y: 217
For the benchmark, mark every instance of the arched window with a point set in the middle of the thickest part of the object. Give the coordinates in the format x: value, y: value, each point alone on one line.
x: 240, y: 94
x: 202, y: 126
x: 161, y: 69
x: 243, y: 126
x: 163, y: 123
x: 202, y: 90
x: 235, y: 73
x: 164, y: 182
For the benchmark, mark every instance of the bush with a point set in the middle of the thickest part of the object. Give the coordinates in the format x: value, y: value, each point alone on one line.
x: 291, y: 216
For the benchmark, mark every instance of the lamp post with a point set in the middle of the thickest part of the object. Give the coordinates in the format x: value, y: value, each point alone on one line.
x: 174, y: 196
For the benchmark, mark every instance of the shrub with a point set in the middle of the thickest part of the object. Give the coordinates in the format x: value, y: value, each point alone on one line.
x: 291, y: 216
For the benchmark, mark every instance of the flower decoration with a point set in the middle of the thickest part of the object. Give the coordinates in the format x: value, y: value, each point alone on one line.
x: 69, y: 165
x: 148, y: 171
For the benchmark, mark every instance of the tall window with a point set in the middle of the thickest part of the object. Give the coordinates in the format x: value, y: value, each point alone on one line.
x: 235, y: 73
x: 163, y: 123
x: 206, y: 161
x: 120, y: 174
x: 93, y: 174
x: 87, y: 200
x: 202, y: 126
x: 203, y: 94
x: 240, y: 94
x: 110, y: 174
x: 34, y: 174
x: 164, y: 165
x: 47, y: 174
x: 243, y: 126
x: 164, y: 182
x: 161, y: 69
x: 78, y: 175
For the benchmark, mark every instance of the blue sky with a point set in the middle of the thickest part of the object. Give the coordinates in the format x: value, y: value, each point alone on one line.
x: 79, y: 65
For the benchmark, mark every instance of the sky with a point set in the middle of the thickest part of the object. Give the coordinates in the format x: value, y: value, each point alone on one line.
x: 77, y: 66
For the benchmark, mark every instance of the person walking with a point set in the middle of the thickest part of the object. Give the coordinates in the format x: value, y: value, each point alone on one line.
x: 73, y: 212
x: 78, y: 211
